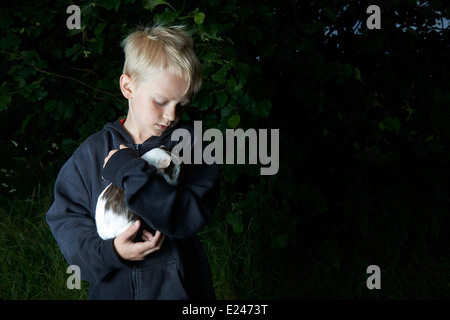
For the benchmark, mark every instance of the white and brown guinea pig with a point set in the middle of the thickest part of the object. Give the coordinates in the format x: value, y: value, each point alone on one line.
x: 112, y: 216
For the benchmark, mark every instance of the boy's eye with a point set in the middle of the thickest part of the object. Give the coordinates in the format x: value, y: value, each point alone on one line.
x: 159, y: 103
x: 179, y: 106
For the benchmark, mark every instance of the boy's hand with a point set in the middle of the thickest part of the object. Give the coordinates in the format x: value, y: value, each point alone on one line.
x: 129, y: 250
x: 122, y: 146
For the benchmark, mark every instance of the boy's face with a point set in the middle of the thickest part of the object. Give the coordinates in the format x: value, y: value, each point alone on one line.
x: 155, y: 104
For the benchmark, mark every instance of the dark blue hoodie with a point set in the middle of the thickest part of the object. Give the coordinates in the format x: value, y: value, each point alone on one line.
x: 179, y: 270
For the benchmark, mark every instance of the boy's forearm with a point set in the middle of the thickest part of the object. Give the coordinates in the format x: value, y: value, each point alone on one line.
x: 121, y: 163
x: 178, y: 211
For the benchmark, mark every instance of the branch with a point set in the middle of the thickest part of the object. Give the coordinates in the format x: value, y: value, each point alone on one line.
x: 86, y: 70
x: 66, y: 77
x: 80, y: 82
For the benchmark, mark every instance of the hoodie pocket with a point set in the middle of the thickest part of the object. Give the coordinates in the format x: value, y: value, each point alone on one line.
x: 160, y: 282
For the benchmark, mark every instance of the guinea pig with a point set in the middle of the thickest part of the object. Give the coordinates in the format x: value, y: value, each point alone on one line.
x: 112, y: 216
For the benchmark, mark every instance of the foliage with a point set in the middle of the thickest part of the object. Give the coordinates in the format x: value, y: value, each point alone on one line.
x: 31, y: 264
x: 363, y: 118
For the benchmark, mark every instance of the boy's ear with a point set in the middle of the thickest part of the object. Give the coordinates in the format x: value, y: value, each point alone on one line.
x: 126, y: 86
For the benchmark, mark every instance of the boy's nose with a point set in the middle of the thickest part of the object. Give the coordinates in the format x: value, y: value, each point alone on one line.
x: 169, y: 112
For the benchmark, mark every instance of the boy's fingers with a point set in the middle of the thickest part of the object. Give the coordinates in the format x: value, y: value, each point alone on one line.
x: 150, y: 250
x: 139, y: 250
x: 145, y: 248
x: 159, y: 243
x: 154, y: 244
x: 146, y: 235
x: 130, y: 233
x: 159, y: 237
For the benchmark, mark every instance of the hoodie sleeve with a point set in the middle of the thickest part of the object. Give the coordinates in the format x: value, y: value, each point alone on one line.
x: 74, y: 229
x: 177, y: 211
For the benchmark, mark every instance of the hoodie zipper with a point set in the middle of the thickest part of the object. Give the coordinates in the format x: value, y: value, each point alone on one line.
x: 138, y: 148
x: 133, y: 283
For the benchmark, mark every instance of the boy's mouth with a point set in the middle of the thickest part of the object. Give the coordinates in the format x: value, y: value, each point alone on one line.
x: 161, y: 127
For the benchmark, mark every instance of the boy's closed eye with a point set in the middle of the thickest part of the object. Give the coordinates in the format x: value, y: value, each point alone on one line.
x: 163, y: 103
x: 159, y: 103
x: 180, y: 106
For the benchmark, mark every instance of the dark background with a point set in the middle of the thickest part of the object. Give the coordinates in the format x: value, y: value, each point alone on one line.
x: 364, y: 120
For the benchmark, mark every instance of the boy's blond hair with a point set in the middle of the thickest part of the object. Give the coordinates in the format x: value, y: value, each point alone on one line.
x: 149, y: 50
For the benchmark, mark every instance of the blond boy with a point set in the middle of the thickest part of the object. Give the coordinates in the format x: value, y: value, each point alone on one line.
x: 159, y: 257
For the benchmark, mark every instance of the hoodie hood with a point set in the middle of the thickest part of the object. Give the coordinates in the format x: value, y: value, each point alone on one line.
x: 121, y: 136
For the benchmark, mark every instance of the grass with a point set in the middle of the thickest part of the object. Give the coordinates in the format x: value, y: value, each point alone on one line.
x: 243, y: 266
x: 236, y: 260
x: 31, y: 264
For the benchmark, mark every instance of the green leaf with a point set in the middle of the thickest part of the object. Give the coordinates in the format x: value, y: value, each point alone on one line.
x: 74, y: 51
x: 97, y: 46
x: 265, y: 11
x: 5, y: 99
x: 5, y: 22
x: 50, y: 106
x: 220, y: 76
x: 68, y: 144
x: 262, y: 108
x: 165, y: 18
x: 203, y: 100
x: 357, y: 73
x: 185, y: 116
x: 99, y: 30
x: 152, y: 4
x: 210, y: 56
x: 242, y: 68
x: 11, y: 40
x: 31, y: 57
x: 234, y: 121
x: 221, y: 99
x: 282, y: 240
x: 41, y: 64
x: 226, y: 111
x: 25, y: 72
x: 65, y: 110
x: 234, y: 219
x: 214, y: 3
x: 25, y: 122
x: 27, y: 90
x: 199, y: 18
x: 390, y: 124
x: 109, y: 4
x: 40, y: 94
x: 236, y: 86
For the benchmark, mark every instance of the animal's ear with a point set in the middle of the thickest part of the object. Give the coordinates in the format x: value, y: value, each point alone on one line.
x: 163, y: 147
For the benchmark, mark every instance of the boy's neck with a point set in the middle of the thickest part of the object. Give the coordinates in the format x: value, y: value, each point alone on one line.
x: 137, y: 135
